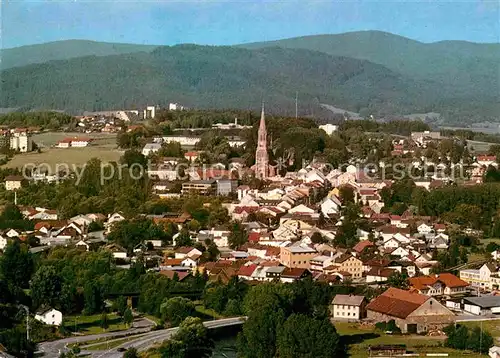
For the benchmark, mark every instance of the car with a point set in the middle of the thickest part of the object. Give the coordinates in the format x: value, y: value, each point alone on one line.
x: 121, y: 349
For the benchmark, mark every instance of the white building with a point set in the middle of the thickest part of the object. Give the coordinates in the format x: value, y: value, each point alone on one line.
x: 494, y: 352
x: 175, y: 107
x: 150, y: 148
x: 150, y: 112
x: 329, y: 128
x: 51, y: 317
x: 479, y: 278
x: 3, y: 242
x: 13, y: 182
x: 348, y: 307
x: 22, y: 142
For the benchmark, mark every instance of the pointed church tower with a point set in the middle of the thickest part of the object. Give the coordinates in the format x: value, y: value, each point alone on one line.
x: 261, y: 157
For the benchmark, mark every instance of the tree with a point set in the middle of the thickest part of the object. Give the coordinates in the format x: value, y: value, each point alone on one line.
x: 128, y: 317
x: 11, y: 213
x: 120, y: 305
x: 238, y: 236
x: 398, y: 280
x: 302, y: 336
x: 266, y: 308
x: 131, y: 353
x: 183, y: 239
x: 346, y: 193
x: 46, y: 287
x: 104, y: 323
x: 95, y: 226
x: 93, y: 299
x: 479, y: 341
x: 191, y: 340
x: 16, y: 264
x: 176, y: 309
x: 317, y: 238
x: 457, y: 337
x: 133, y: 157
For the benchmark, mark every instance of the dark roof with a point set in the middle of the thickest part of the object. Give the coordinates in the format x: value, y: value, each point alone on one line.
x: 349, y: 300
x: 293, y: 272
x: 484, y: 301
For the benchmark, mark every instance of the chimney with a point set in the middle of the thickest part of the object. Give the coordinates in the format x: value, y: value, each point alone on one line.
x: 235, y: 121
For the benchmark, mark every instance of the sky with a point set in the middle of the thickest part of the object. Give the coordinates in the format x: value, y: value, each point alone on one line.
x: 227, y: 22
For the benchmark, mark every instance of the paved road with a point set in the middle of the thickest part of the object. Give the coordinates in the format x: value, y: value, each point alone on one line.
x: 145, y: 341
x: 54, y: 348
x: 469, y: 318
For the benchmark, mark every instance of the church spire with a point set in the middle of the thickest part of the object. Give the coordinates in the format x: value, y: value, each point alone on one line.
x: 261, y: 156
x: 262, y: 125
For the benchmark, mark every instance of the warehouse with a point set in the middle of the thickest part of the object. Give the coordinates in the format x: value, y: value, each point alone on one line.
x: 482, y: 306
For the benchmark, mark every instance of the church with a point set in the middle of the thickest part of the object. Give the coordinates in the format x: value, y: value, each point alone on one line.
x: 262, y: 169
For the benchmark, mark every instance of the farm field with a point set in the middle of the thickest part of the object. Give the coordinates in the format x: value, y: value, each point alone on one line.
x: 103, y: 147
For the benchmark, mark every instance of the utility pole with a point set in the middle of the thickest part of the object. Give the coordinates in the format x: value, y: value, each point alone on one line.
x: 296, y: 104
x: 481, y: 338
x: 26, y: 309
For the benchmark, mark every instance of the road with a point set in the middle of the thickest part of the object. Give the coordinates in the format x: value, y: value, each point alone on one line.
x: 145, y: 341
x: 469, y: 318
x: 54, y: 348
x: 141, y: 337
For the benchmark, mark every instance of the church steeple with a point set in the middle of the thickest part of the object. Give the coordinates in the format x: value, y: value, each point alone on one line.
x: 261, y: 157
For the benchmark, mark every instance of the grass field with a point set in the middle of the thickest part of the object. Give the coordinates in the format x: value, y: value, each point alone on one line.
x: 491, y: 326
x: 359, y: 338
x: 103, y: 147
x: 91, y: 324
x: 49, y: 139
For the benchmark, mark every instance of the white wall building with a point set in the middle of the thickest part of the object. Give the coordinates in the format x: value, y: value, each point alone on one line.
x: 348, y: 307
x: 51, y: 317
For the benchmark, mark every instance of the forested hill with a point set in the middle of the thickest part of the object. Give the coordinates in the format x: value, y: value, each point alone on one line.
x: 212, y: 77
x: 464, y: 68
x: 231, y: 77
x: 63, y: 50
x: 449, y: 60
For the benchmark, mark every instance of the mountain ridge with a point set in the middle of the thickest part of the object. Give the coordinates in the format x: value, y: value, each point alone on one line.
x: 399, y: 75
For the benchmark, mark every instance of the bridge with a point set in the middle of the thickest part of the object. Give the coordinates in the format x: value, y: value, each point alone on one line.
x: 145, y: 341
x: 141, y: 339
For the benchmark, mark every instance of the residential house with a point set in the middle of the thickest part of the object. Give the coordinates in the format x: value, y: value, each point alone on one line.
x: 297, y: 256
x: 423, y: 228
x: 117, y: 251
x: 245, y: 272
x: 13, y: 182
x: 13, y: 233
x: 318, y: 263
x: 3, y: 242
x: 330, y: 206
x: 150, y: 148
x: 348, y: 307
x: 290, y: 275
x: 49, y: 316
x: 226, y: 187
x: 438, y: 285
x: 185, y: 252
x: 346, y: 263
x: 379, y: 274
x: 411, y: 311
x: 494, y: 352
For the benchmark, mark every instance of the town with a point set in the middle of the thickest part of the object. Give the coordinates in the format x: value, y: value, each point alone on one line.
x: 395, y: 254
